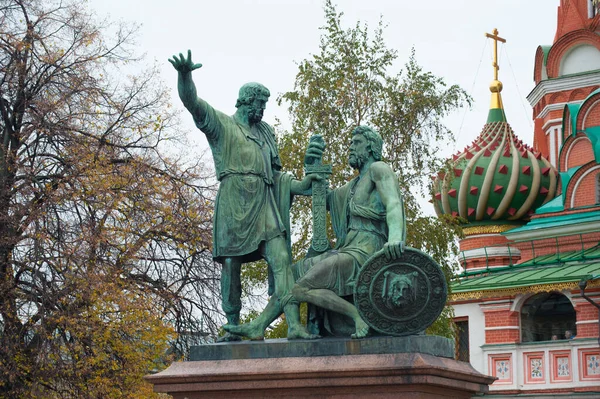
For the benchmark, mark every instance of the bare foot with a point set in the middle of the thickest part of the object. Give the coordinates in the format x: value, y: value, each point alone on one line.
x: 229, y: 338
x: 300, y: 333
x: 362, y: 329
x: 247, y: 330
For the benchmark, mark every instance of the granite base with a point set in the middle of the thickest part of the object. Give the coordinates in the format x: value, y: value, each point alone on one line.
x: 402, y: 372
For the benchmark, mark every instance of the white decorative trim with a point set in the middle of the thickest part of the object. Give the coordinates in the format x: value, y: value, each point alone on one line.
x: 551, y: 121
x: 497, y: 302
x: 497, y: 308
x: 561, y: 84
x: 587, y: 322
x: 553, y: 133
x: 490, y: 252
x: 501, y: 328
x: 583, y: 301
x: 552, y: 107
x: 597, y: 167
x: 556, y: 231
x: 519, y: 300
x: 587, y: 113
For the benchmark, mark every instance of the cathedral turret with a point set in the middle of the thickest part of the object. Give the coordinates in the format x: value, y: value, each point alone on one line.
x: 495, y: 183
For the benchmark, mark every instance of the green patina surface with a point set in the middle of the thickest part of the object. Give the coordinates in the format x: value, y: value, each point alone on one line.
x: 593, y: 133
x: 573, y: 113
x: 496, y: 115
x: 523, y: 277
x: 558, y: 203
x: 570, y: 110
x: 563, y: 257
x: 546, y: 50
x: 558, y: 221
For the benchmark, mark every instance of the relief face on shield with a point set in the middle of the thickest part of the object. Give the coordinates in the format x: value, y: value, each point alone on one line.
x: 399, y: 289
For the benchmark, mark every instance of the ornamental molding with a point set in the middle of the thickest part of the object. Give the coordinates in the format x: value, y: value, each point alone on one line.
x: 554, y: 231
x: 561, y: 84
x: 587, y: 322
x: 588, y: 108
x: 486, y: 229
x: 485, y: 308
x: 482, y: 294
x: 493, y: 252
x: 552, y: 107
x: 501, y: 328
x: 551, y: 124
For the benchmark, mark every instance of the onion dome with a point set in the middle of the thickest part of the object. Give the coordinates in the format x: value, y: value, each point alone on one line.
x: 497, y: 179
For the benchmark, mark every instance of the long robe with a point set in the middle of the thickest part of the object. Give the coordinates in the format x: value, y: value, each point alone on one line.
x: 253, y: 193
x: 360, y: 230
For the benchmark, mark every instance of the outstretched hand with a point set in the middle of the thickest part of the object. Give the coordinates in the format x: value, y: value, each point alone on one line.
x: 393, y: 250
x: 183, y: 64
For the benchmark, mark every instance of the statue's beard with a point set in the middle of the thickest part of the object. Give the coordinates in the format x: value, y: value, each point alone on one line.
x: 255, y: 116
x: 358, y: 160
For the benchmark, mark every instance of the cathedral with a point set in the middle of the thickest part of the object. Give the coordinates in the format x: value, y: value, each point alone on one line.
x: 527, y: 299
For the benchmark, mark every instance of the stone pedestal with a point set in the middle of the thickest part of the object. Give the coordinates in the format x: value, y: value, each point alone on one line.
x: 379, y: 367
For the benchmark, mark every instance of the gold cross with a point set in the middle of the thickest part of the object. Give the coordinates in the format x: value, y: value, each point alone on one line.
x: 494, y: 36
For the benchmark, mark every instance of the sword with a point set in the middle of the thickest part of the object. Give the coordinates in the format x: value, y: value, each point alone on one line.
x: 319, y: 243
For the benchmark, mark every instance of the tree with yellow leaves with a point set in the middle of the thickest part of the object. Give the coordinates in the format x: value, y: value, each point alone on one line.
x: 105, y: 265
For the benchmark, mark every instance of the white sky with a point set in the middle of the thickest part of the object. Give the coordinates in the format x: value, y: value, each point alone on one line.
x: 239, y: 41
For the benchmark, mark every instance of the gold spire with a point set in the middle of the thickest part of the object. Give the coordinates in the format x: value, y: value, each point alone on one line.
x: 496, y: 85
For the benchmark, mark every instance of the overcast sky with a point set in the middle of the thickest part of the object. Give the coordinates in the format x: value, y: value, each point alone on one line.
x: 239, y: 41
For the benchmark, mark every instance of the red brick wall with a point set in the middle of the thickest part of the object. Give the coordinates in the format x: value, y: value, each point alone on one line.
x: 487, y: 241
x: 579, y: 153
x: 502, y: 318
x: 591, y: 115
x: 549, y: 246
x: 571, y: 16
x: 587, y: 312
x: 541, y: 142
x: 480, y: 241
x: 502, y: 336
x: 580, y: 94
x: 577, y: 93
x: 589, y: 169
x: 586, y: 191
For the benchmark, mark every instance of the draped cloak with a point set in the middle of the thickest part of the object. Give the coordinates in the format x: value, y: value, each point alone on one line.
x: 360, y: 230
x: 253, y: 200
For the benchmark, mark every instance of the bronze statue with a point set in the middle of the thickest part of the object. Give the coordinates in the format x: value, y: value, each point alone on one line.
x: 251, y: 219
x: 367, y: 215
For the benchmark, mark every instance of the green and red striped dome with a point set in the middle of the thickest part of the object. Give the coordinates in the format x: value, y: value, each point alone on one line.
x: 497, y: 179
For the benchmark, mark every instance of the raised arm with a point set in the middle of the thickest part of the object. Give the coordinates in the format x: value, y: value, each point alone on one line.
x: 389, y: 192
x: 186, y: 86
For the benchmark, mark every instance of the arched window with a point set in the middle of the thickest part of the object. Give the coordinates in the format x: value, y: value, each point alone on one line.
x: 546, y: 315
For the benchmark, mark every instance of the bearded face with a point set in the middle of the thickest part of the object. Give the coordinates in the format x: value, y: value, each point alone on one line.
x: 359, y: 151
x: 256, y: 109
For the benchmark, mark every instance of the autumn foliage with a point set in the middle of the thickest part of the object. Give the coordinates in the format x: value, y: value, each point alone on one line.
x: 105, y: 266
